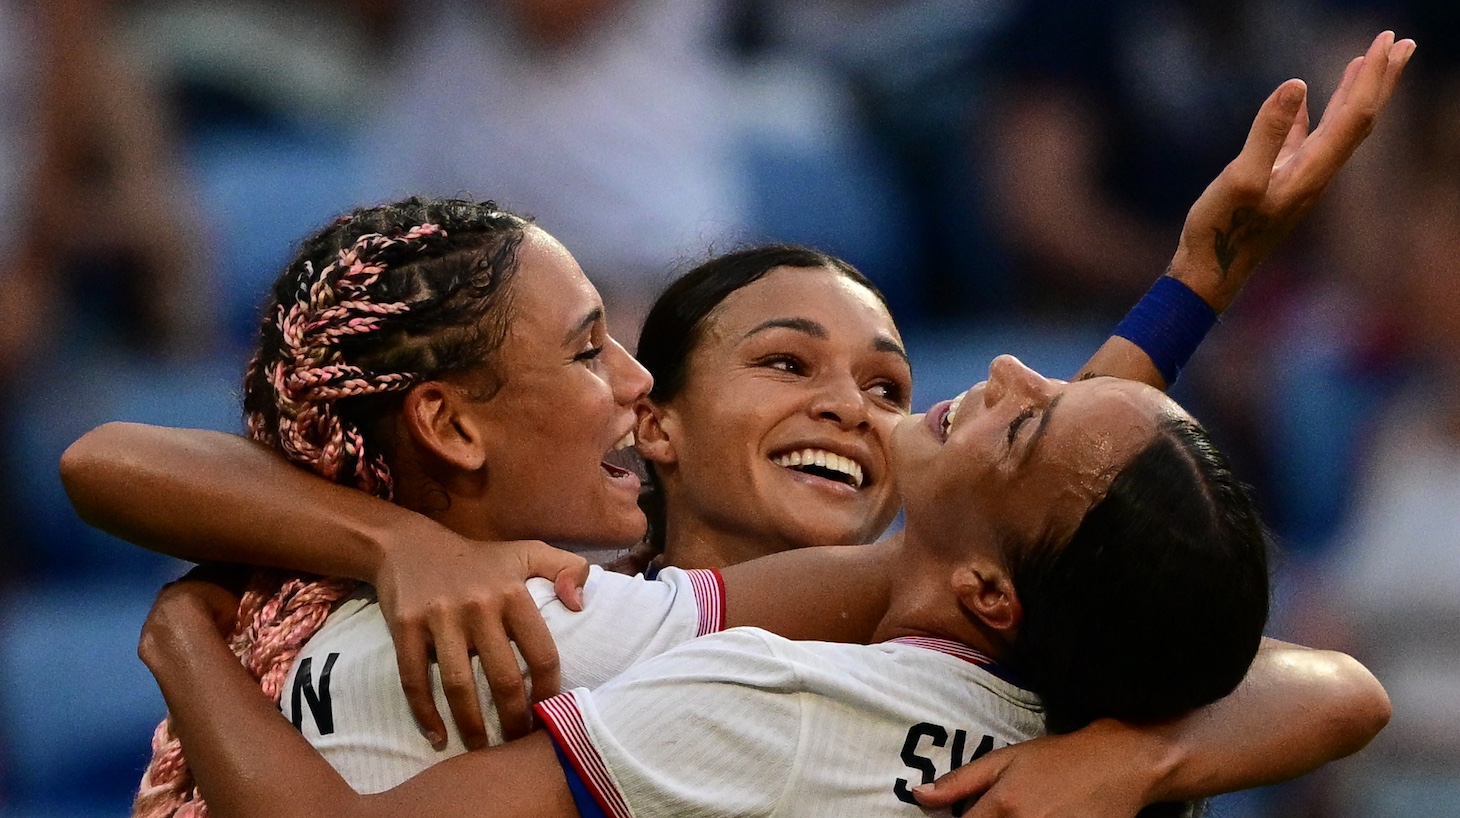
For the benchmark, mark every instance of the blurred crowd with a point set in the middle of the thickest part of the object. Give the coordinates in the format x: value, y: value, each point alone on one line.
x: 1013, y: 173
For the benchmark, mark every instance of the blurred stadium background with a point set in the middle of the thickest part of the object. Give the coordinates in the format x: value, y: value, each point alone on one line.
x: 1013, y: 173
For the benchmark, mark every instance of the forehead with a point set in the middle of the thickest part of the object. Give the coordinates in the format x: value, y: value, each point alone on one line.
x: 821, y: 294
x: 1095, y: 429
x: 550, y: 291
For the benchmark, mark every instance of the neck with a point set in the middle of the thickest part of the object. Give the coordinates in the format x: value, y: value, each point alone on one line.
x: 466, y: 514
x: 692, y: 542
x: 923, y: 603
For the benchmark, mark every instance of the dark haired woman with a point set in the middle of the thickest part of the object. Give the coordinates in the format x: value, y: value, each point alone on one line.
x: 1300, y: 172
x: 1060, y: 486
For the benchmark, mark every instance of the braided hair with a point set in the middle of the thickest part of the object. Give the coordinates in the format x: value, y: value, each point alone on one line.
x: 381, y: 299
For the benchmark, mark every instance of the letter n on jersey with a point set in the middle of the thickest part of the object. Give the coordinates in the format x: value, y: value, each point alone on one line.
x: 319, y: 703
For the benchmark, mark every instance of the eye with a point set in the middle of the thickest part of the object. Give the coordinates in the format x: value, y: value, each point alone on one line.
x: 589, y: 354
x: 1018, y: 422
x: 889, y: 392
x: 789, y: 364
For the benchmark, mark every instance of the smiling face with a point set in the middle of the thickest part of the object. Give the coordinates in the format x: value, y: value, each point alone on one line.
x: 566, y: 399
x: 1020, y: 458
x: 779, y: 437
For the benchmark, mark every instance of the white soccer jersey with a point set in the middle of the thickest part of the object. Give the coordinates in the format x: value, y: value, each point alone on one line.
x: 745, y: 723
x: 344, y: 691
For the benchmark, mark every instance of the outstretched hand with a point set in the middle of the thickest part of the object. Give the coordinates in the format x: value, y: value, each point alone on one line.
x: 452, y: 600
x: 1281, y: 172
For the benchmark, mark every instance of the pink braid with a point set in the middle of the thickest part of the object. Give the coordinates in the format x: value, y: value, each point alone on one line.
x: 280, y: 612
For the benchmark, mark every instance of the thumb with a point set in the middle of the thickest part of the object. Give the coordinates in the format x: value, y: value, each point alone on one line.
x: 967, y: 782
x: 568, y: 571
x: 1270, y: 132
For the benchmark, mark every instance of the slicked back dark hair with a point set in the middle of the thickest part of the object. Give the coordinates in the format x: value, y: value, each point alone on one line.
x: 1156, y: 605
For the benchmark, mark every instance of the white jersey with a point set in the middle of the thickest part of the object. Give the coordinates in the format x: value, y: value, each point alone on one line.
x: 344, y: 691
x: 746, y: 723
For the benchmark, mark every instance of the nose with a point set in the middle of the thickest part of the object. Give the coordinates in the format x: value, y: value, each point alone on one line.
x: 1009, y: 377
x: 840, y: 400
x: 631, y: 381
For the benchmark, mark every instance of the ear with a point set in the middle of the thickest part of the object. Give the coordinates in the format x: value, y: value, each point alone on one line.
x: 986, y: 591
x: 655, y: 433
x: 435, y: 417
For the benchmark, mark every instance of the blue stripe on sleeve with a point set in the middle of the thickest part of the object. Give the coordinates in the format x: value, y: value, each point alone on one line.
x: 588, y: 806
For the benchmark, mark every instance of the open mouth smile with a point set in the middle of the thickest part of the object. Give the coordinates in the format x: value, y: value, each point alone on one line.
x: 824, y: 464
x: 618, y: 462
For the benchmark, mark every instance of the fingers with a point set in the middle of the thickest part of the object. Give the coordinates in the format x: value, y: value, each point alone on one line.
x: 1270, y: 132
x: 568, y: 571
x: 1398, y: 59
x: 1296, y: 134
x: 1352, y: 113
x: 504, y: 677
x: 969, y: 781
x: 412, y: 657
x: 458, y: 681
x: 535, y: 642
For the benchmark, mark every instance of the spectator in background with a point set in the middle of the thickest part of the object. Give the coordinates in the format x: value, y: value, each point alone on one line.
x: 101, y: 155
x: 103, y: 254
x: 605, y: 119
x: 1114, y: 115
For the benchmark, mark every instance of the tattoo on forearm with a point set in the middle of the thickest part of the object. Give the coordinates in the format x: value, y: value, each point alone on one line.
x: 1246, y: 222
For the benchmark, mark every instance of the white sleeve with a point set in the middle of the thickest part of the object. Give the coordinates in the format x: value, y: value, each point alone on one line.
x: 344, y: 692
x: 626, y: 620
x: 711, y: 728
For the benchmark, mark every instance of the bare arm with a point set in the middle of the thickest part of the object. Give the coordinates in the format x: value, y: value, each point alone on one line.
x: 223, y: 720
x: 213, y: 497
x: 1296, y: 710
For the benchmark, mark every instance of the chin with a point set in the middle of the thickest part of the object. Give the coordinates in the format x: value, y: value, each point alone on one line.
x: 830, y: 531
x: 618, y: 531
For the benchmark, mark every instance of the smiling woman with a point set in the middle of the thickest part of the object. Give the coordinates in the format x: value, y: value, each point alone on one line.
x: 779, y: 375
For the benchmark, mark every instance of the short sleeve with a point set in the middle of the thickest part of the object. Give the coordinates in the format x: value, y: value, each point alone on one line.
x: 626, y: 620
x: 710, y: 728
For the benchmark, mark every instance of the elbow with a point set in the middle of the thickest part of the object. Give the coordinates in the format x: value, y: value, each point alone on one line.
x: 83, y: 464
x: 1366, y: 709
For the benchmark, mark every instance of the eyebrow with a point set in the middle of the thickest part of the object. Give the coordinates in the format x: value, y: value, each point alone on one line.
x: 803, y: 325
x: 588, y: 321
x: 882, y: 343
x: 1039, y: 430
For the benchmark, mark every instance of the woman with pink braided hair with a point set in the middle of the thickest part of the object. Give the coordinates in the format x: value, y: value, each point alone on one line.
x: 385, y: 360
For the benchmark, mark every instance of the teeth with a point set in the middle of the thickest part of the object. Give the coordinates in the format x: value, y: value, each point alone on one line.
x: 953, y: 411
x: 823, y: 459
x: 627, y: 441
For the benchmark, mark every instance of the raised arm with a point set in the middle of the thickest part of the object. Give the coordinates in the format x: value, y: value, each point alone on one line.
x: 1276, y: 179
x: 213, y: 497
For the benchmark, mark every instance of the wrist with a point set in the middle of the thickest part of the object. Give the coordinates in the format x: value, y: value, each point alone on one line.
x: 1205, y: 278
x: 1153, y: 752
x: 387, y: 540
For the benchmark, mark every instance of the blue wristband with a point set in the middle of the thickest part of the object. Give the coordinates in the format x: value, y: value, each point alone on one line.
x: 1168, y: 324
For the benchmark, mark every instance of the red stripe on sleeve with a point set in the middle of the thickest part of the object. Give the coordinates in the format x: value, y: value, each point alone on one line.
x: 709, y: 590
x: 564, y: 721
